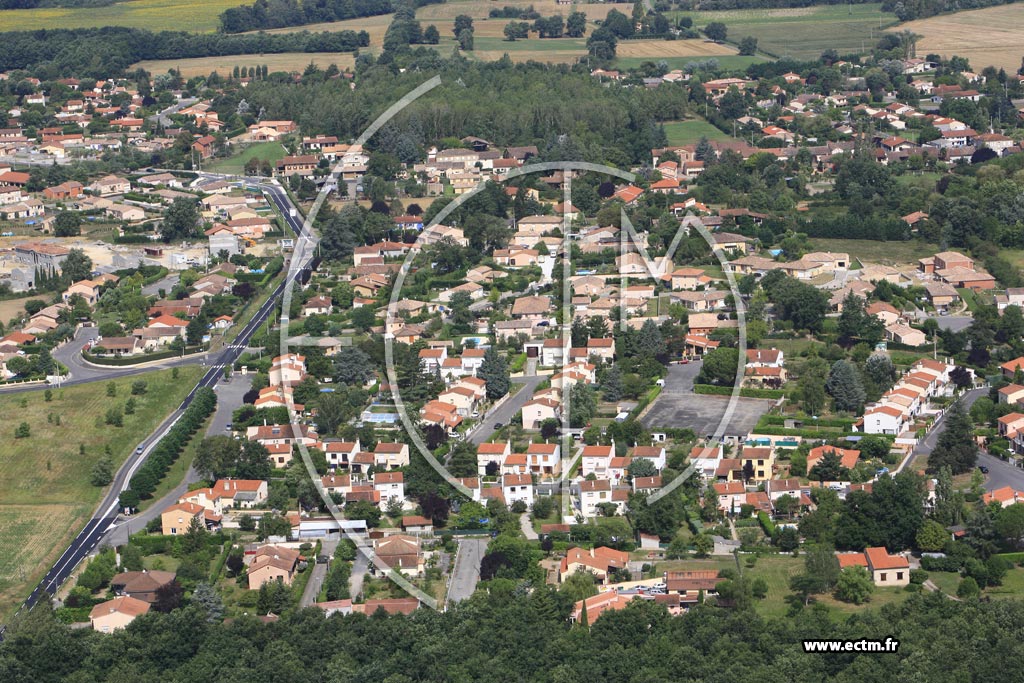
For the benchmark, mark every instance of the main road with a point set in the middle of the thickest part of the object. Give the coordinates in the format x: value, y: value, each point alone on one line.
x: 106, y: 513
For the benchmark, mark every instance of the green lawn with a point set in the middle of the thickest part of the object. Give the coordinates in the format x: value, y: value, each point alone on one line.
x: 802, y: 33
x: 269, y: 151
x: 969, y: 297
x: 155, y: 15
x: 45, y: 494
x: 690, y: 132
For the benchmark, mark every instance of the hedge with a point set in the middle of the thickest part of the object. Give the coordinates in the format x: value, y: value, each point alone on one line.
x: 1016, y: 558
x: 941, y: 564
x: 155, y: 467
x: 766, y: 524
x: 121, y: 361
x: 780, y: 420
x: 746, y: 392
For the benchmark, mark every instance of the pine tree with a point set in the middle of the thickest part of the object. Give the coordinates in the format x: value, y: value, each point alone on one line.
x: 611, y: 387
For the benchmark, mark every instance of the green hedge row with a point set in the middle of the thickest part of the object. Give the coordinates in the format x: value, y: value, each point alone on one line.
x: 766, y: 523
x: 121, y: 361
x: 746, y: 392
x: 149, y: 475
x: 780, y: 420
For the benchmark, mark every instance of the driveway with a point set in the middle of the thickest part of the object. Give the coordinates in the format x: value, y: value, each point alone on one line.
x: 956, y: 323
x: 165, y: 283
x: 928, y: 443
x: 467, y: 568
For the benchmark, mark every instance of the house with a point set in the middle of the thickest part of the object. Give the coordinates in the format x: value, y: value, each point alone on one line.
x: 417, y: 524
x: 229, y: 493
x: 176, y: 519
x: 1010, y: 368
x: 590, y: 609
x: 400, y: 552
x: 141, y: 585
x: 287, y: 370
x: 273, y: 563
x: 1011, y: 394
x: 884, y: 419
x: 67, y: 190
x: 757, y: 462
x: 531, y: 307
x: 317, y: 305
x: 110, y: 185
x: 595, y: 492
x: 885, y: 569
x: 600, y: 561
x: 691, y: 583
x: 303, y: 164
x: 1011, y: 427
x: 391, y: 455
x: 847, y: 458
x: 116, y: 614
x: 544, y: 459
x: 493, y: 454
x: 941, y: 295
x: 1005, y: 496
x: 517, y: 487
x: 537, y: 410
x: 905, y: 334
x: 204, y: 146
x: 390, y: 485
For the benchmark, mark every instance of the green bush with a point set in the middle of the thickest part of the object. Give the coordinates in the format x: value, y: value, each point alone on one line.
x: 745, y: 392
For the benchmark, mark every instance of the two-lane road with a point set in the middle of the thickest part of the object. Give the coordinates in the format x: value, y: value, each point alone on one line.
x: 107, y: 511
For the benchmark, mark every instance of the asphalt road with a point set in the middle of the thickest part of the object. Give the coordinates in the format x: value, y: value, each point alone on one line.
x: 164, y: 120
x: 1001, y: 473
x: 953, y: 322
x: 507, y: 410
x: 467, y: 568
x: 678, y: 406
x: 107, y: 510
x: 928, y: 443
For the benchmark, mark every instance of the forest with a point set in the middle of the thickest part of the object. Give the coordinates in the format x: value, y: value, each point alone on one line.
x: 513, y: 633
x: 264, y: 14
x: 99, y: 52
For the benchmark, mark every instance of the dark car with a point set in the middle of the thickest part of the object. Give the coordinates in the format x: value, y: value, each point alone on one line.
x: 499, y: 425
x: 984, y: 470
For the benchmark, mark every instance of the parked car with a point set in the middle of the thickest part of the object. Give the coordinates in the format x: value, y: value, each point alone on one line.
x: 983, y: 469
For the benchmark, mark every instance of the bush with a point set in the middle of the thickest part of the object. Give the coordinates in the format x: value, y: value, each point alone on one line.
x: 746, y: 392
x: 940, y: 564
x: 918, y: 576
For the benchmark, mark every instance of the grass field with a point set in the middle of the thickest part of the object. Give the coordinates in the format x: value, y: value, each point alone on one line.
x: 45, y: 494
x: 14, y: 307
x: 270, y: 151
x: 888, y: 253
x: 156, y: 15
x: 285, y: 61
x: 805, y: 32
x: 689, y: 132
x: 987, y: 37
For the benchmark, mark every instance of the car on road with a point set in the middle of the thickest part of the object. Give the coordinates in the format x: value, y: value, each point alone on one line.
x: 983, y: 469
x: 499, y: 425
x: 475, y: 413
x: 139, y: 450
x: 228, y: 426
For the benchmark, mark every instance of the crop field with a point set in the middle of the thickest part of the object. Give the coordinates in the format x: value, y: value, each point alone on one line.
x: 887, y: 253
x: 987, y: 37
x: 285, y: 61
x: 672, y: 48
x: 45, y: 493
x: 156, y: 15
x: 804, y: 32
x: 13, y: 307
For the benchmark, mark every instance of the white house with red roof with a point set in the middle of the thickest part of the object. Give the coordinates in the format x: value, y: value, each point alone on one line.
x: 885, y: 569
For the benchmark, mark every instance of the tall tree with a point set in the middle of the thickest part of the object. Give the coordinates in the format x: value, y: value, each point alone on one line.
x: 494, y: 371
x: 845, y: 386
x: 956, y: 447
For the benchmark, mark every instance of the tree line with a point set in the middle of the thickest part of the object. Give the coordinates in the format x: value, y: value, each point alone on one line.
x: 266, y: 14
x: 524, y: 632
x: 99, y: 52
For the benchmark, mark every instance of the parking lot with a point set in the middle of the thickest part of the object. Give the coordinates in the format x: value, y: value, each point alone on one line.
x: 677, y: 406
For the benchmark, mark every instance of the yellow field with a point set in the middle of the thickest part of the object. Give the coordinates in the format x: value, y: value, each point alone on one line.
x: 155, y: 15
x: 478, y: 9
x: 987, y: 37
x: 13, y: 307
x: 672, y: 48
x: 286, y: 61
x: 45, y: 494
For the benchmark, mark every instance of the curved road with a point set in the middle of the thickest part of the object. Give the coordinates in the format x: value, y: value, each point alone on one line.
x: 107, y: 511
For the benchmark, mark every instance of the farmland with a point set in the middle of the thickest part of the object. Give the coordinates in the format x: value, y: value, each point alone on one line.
x: 987, y: 37
x: 155, y: 15
x: 803, y: 33
x: 44, y: 479
x: 285, y: 61
x: 12, y: 307
x: 888, y: 253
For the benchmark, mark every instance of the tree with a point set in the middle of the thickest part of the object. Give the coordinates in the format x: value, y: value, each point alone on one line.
x: 77, y: 266
x: 331, y: 411
x: 829, y: 468
x: 845, y: 387
x: 719, y: 366
x: 181, y: 220
x: 215, y: 455
x: 703, y: 545
x: 856, y: 323
x: 352, y: 366
x: 363, y: 318
x: 716, y: 31
x: 880, y: 369
x: 932, y: 537
x: 611, y: 385
x: 209, y: 602
x: 956, y: 447
x: 465, y: 39
x: 431, y: 36
x: 102, y: 472
x: 576, y: 25
x: 582, y: 405
x: 641, y: 467
x: 968, y: 589
x: 67, y: 224
x: 1009, y: 524
x: 23, y: 431
x: 748, y: 46
x: 854, y: 585
x: 462, y: 22
x: 168, y: 596
x: 494, y: 371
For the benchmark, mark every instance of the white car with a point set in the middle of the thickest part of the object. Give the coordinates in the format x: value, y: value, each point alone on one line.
x: 476, y: 413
